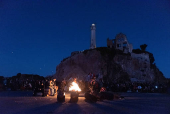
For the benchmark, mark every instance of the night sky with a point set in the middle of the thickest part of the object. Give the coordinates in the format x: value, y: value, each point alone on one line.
x: 35, y: 35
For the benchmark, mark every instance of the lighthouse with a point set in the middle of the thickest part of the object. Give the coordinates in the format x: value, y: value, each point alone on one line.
x: 93, y: 37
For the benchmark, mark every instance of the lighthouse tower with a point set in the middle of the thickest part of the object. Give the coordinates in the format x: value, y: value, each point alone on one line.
x: 93, y: 37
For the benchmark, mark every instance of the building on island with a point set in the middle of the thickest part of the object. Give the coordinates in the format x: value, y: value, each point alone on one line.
x: 120, y: 42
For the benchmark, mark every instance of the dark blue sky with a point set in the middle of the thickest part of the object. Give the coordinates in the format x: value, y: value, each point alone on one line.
x: 35, y: 35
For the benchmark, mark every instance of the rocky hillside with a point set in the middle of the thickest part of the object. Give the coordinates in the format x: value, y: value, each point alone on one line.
x: 110, y: 63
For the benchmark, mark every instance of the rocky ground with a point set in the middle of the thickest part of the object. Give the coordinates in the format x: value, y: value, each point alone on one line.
x: 22, y: 102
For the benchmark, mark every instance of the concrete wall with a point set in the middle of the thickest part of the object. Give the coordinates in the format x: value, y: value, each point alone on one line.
x: 142, y: 56
x: 120, y: 42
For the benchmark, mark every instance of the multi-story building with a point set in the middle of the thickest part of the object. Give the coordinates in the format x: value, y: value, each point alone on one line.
x: 120, y: 42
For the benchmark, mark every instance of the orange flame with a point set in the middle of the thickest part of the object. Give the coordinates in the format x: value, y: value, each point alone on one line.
x: 74, y: 87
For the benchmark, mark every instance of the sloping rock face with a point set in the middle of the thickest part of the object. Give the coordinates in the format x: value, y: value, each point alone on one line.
x: 80, y: 65
x: 104, y: 61
x: 135, y: 68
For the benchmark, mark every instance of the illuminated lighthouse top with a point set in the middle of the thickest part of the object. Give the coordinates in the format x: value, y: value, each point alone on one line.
x: 93, y: 37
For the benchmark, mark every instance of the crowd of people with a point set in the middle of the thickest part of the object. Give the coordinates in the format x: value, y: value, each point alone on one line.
x: 45, y: 86
x: 99, y: 83
x: 91, y: 83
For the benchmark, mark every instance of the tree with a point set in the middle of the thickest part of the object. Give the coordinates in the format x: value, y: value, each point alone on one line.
x: 1, y: 79
x: 19, y: 75
x: 151, y: 57
x: 143, y: 47
x: 137, y: 51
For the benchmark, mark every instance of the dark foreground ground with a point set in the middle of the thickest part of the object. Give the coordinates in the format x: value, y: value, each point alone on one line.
x: 22, y: 102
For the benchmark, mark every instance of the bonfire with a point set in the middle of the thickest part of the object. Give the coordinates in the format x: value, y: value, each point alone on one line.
x: 74, y: 87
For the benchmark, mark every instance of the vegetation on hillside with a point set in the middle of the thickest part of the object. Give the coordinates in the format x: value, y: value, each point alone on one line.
x: 143, y: 47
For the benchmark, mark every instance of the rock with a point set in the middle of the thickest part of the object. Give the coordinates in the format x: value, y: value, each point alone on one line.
x: 112, y: 63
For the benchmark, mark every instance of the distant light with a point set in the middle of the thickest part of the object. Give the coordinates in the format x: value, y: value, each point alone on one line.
x: 93, y: 24
x: 156, y: 87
